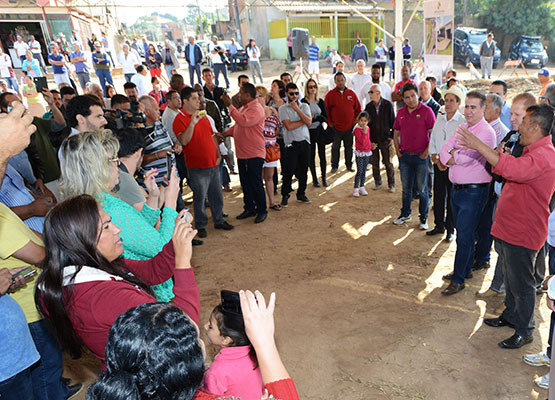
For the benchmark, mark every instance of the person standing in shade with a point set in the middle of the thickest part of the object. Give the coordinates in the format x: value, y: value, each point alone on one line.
x: 20, y: 48
x: 290, y: 45
x: 253, y: 52
x: 35, y: 47
x: 314, y: 60
x: 446, y: 124
x: 250, y: 147
x: 79, y: 60
x: 102, y: 67
x: 233, y: 55
x: 380, y: 52
x: 193, y: 56
x: 129, y: 61
x: 343, y: 108
x: 412, y: 128
x: 407, y: 50
x: 471, y: 180
x: 487, y: 51
x: 391, y: 56
x: 382, y: 118
x: 171, y: 63
x: 58, y: 63
x: 296, y: 119
x: 217, y: 53
x: 360, y: 52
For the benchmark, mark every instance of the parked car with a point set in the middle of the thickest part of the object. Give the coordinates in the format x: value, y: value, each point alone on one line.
x: 530, y: 49
x: 467, y: 46
x: 242, y: 59
x: 205, y: 53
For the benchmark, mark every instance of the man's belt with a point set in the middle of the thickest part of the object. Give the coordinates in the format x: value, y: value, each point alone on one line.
x: 469, y: 185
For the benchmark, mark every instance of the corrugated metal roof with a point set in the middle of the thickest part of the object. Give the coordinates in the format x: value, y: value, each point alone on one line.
x: 325, y: 6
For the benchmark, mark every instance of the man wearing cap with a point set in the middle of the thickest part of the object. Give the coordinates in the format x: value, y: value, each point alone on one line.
x: 102, y: 66
x: 58, y: 63
x: 487, y: 51
x: 446, y: 124
x: 360, y: 52
x: 543, y: 77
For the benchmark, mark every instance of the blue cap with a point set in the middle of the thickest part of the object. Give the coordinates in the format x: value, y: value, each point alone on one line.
x: 544, y: 72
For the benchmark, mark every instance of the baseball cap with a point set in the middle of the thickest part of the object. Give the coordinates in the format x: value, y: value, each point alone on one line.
x: 457, y: 91
x: 544, y: 72
x: 358, y: 40
x: 97, y: 44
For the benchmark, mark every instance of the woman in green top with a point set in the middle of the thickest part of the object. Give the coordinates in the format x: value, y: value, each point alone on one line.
x: 90, y: 166
x: 30, y: 93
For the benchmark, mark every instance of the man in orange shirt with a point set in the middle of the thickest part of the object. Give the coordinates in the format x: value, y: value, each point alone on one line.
x: 543, y: 77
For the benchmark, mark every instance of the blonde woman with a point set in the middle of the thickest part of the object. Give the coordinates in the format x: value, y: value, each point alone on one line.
x: 91, y: 167
x: 272, y: 126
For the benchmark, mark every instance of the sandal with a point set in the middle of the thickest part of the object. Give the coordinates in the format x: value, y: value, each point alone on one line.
x: 276, y: 207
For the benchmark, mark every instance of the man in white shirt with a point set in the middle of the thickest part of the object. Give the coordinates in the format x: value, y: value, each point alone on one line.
x: 385, y: 89
x: 35, y: 47
x: 139, y: 79
x: 443, y: 129
x: 6, y: 71
x: 361, y: 82
x: 129, y: 61
x: 334, y: 59
x: 492, y: 114
x: 217, y: 53
x: 339, y: 67
x: 20, y: 48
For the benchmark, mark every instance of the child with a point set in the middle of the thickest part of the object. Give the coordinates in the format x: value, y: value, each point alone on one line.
x: 363, y: 151
x: 234, y: 371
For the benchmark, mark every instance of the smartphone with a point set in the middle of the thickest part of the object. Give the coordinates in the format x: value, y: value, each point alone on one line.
x: 25, y: 273
x: 40, y: 83
x: 231, y: 301
x: 169, y: 163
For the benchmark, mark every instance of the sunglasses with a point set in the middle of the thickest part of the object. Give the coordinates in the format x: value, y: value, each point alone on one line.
x: 371, y: 92
x: 293, y: 93
x: 312, y: 87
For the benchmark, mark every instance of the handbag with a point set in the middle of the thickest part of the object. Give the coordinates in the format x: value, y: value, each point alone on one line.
x: 273, y: 152
x: 326, y: 135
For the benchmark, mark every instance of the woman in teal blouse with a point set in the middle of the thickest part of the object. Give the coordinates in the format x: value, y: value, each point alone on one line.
x: 90, y: 166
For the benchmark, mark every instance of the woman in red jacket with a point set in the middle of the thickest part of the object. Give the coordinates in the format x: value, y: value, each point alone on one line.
x: 85, y: 284
x: 154, y: 352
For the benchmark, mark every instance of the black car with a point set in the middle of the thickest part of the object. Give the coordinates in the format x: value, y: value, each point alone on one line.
x: 530, y: 49
x: 467, y: 46
x: 241, y: 57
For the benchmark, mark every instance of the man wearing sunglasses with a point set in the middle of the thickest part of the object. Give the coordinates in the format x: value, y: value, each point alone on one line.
x: 296, y: 119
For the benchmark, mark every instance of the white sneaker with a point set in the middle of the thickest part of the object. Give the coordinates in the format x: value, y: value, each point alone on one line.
x: 355, y: 192
x: 392, y: 189
x: 363, y: 191
x: 423, y: 224
x: 537, y: 360
x: 377, y: 187
x: 543, y: 381
x: 401, y: 220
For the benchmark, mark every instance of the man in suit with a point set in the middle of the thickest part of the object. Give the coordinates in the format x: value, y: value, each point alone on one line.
x: 193, y: 55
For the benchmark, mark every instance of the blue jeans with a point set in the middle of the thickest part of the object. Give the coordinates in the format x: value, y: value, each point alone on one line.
x: 233, y: 60
x: 468, y: 205
x: 414, y: 170
x: 12, y: 83
x: 223, y: 69
x: 104, y: 76
x: 47, y: 372
x: 192, y: 70
x: 484, y: 239
x: 18, y: 387
x: 391, y: 69
x: 205, y: 183
x: 128, y: 76
x: 169, y: 69
x: 224, y: 173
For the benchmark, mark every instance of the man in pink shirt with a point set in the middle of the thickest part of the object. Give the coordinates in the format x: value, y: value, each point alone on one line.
x: 521, y: 219
x: 469, y: 195
x: 250, y: 150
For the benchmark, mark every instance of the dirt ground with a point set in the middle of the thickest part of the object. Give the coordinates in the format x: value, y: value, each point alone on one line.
x: 359, y: 312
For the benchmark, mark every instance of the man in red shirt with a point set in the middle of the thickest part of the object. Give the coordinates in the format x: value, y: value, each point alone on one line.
x: 202, y: 160
x: 528, y: 189
x: 343, y: 108
x: 397, y: 95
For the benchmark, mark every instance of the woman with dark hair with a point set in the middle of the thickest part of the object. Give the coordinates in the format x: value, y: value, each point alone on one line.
x: 319, y: 116
x: 253, y: 52
x: 173, y: 365
x: 153, y: 61
x: 276, y: 99
x: 85, y: 284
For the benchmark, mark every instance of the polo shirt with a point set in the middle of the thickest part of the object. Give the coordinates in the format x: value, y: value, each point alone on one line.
x: 201, y: 151
x: 414, y: 127
x: 523, y: 208
x: 80, y: 66
x: 57, y: 69
x: 157, y: 139
x: 313, y: 52
x: 20, y: 48
x: 299, y: 134
x: 399, y: 85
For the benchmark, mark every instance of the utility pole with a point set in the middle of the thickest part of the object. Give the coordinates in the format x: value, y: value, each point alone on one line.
x: 398, y: 39
x: 238, y: 23
x: 200, y: 22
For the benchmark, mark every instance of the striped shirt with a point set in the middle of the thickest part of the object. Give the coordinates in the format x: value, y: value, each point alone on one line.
x: 14, y: 193
x: 313, y: 52
x: 157, y: 139
x: 500, y: 130
x: 272, y: 125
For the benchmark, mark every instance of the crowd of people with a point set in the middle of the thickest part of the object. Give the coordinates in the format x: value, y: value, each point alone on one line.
x: 92, y: 196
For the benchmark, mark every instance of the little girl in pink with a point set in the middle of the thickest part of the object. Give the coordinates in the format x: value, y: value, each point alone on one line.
x: 363, y: 151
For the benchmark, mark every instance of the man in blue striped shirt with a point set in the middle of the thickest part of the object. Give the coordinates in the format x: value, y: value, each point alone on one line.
x: 313, y: 63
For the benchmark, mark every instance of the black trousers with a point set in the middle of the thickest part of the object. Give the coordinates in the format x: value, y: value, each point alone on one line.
x: 250, y: 175
x: 347, y: 138
x: 442, y: 200
x: 297, y: 164
x: 321, y: 155
x: 383, y: 149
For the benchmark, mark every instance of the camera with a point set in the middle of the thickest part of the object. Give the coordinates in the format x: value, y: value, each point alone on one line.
x: 119, y: 119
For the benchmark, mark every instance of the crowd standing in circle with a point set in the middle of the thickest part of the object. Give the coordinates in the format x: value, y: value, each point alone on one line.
x: 94, y: 199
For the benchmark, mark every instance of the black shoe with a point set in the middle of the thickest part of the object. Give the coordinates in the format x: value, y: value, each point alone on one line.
x: 449, y: 276
x: 350, y: 169
x: 450, y: 236
x: 334, y: 170
x: 202, y: 233
x: 480, y: 265
x: 316, y: 183
x: 498, y: 322
x: 197, y: 242
x: 260, y: 218
x: 303, y: 199
x: 73, y: 390
x: 285, y: 200
x: 246, y: 214
x: 65, y: 381
x: 224, y: 225
x: 452, y: 289
x: 435, y: 231
x: 225, y: 215
x: 515, y: 342
x: 325, y: 182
